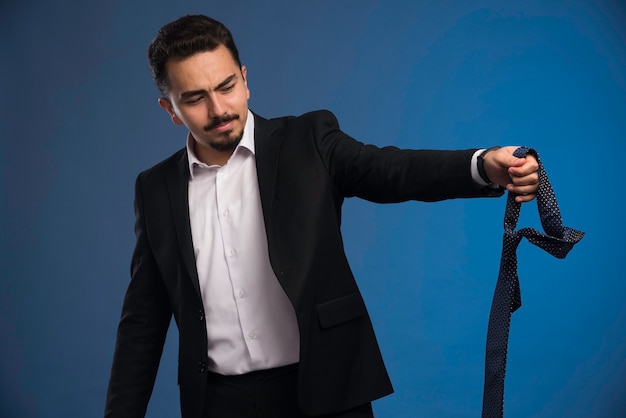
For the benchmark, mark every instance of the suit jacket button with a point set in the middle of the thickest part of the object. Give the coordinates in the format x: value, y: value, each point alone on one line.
x: 201, y: 367
x: 201, y: 315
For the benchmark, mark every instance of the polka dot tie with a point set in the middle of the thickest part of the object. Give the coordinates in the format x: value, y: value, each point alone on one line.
x: 558, y: 240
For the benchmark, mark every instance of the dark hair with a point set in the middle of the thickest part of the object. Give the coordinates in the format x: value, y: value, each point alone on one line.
x: 183, y: 38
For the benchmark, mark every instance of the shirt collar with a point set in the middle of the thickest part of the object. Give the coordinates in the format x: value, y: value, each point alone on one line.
x: 247, y: 142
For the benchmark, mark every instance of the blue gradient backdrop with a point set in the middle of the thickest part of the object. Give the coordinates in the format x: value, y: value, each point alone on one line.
x: 79, y: 120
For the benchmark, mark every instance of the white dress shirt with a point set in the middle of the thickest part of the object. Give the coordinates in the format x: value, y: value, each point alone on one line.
x: 251, y: 324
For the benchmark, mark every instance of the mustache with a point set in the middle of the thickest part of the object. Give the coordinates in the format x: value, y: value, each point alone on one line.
x: 220, y: 120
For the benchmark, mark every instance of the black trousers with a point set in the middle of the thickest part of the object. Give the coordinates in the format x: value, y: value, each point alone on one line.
x: 263, y: 394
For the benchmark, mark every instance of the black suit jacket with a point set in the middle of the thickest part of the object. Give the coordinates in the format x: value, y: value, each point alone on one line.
x: 306, y: 167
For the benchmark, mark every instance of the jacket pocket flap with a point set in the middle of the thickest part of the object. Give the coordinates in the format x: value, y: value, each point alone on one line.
x: 343, y: 309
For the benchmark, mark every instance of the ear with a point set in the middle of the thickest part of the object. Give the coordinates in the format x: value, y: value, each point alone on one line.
x: 167, y: 105
x: 244, y: 74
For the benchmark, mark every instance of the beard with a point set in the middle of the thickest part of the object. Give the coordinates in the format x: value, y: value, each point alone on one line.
x: 226, y: 141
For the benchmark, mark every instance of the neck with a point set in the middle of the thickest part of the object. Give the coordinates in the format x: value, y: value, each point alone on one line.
x: 211, y: 156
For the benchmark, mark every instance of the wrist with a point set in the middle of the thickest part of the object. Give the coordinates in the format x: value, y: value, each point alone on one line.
x: 480, y: 164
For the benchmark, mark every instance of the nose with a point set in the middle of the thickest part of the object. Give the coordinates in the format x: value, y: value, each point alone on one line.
x: 217, y: 107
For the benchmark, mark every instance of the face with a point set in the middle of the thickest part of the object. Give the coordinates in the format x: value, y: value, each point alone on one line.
x: 208, y: 94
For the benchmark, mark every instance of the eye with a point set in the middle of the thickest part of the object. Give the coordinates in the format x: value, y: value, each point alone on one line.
x: 194, y: 100
x: 228, y: 88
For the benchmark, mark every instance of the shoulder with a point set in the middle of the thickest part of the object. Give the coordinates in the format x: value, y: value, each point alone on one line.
x: 316, y: 117
x: 311, y: 119
x: 164, y: 168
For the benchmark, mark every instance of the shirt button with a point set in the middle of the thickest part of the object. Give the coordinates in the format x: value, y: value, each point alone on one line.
x: 252, y: 335
x: 242, y: 294
x: 233, y: 252
x: 226, y: 213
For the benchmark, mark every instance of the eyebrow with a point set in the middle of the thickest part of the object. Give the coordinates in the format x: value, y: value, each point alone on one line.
x: 192, y: 93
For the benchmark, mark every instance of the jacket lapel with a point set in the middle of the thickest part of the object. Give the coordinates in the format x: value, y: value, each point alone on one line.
x: 267, y: 141
x: 178, y: 190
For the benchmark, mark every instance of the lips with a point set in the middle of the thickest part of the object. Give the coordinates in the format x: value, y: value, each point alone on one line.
x: 222, y: 127
x: 223, y: 124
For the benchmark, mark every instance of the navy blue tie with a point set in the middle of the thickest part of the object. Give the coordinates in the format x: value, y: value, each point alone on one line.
x: 557, y: 240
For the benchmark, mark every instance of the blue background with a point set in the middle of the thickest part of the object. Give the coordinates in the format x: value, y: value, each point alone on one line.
x: 79, y: 120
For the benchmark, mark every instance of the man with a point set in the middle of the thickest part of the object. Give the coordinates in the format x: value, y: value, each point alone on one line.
x: 238, y: 236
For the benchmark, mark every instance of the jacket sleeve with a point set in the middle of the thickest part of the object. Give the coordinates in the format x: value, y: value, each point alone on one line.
x: 390, y: 174
x: 146, y: 314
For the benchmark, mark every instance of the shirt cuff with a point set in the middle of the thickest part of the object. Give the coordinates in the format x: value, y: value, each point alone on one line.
x: 474, y: 169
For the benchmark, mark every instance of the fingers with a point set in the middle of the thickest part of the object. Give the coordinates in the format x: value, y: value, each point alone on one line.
x: 524, y: 193
x: 523, y: 166
x: 518, y: 175
x: 524, y: 179
x: 525, y: 198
